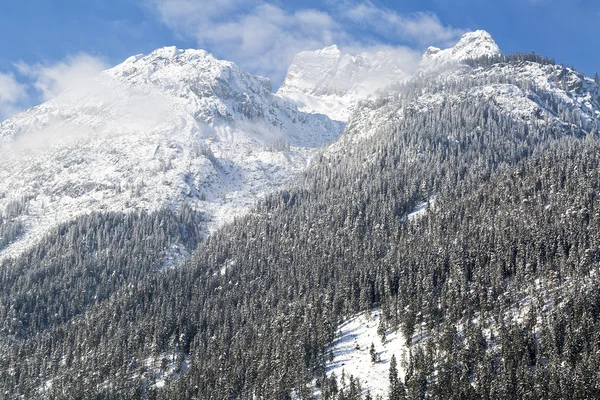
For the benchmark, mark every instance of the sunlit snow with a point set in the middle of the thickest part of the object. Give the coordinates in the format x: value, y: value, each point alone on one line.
x: 351, y: 353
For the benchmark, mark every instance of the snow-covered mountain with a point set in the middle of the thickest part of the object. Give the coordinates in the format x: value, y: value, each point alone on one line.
x: 330, y: 82
x: 170, y: 127
x: 522, y: 88
x: 179, y: 127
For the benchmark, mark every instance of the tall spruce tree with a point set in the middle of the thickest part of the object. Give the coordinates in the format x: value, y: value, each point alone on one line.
x: 396, y: 389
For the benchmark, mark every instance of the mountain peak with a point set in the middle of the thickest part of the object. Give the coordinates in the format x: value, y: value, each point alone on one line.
x: 330, y: 50
x: 471, y: 45
x: 180, y: 126
x: 329, y: 81
x: 180, y: 72
x: 171, y: 57
x: 431, y: 52
x: 475, y: 44
x: 168, y: 51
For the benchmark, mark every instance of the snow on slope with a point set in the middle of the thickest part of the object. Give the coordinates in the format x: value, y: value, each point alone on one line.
x: 330, y: 82
x: 171, y: 127
x: 351, y: 353
x: 421, y: 209
x: 524, y: 99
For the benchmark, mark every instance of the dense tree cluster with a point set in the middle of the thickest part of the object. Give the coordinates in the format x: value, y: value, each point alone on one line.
x: 500, y: 275
x: 83, y: 262
x: 11, y: 226
x: 514, y: 58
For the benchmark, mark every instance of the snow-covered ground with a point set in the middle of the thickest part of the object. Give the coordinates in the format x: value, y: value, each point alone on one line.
x: 166, y: 367
x: 421, y: 209
x: 351, y: 353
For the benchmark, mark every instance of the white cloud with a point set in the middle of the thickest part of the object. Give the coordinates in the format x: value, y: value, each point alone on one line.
x: 420, y: 28
x: 51, y: 80
x: 262, y: 37
x: 48, y: 80
x: 12, y: 93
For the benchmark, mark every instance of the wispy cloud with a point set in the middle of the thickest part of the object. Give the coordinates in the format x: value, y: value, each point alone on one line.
x: 31, y: 83
x: 52, y: 79
x: 421, y: 28
x: 262, y: 36
x: 37, y: 82
x: 12, y: 93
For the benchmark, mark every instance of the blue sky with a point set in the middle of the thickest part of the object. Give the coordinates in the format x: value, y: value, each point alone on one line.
x: 47, y: 45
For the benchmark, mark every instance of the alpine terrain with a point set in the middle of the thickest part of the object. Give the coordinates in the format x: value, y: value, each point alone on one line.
x: 175, y: 230
x: 170, y: 128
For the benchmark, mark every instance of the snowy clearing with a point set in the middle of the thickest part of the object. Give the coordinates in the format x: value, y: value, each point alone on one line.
x: 351, y: 353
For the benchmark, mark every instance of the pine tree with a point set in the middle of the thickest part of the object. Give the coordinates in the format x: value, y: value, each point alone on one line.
x: 373, y: 353
x: 396, y: 389
x: 381, y: 330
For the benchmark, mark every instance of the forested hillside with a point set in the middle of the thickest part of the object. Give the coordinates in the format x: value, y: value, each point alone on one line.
x: 495, y: 286
x: 84, y: 262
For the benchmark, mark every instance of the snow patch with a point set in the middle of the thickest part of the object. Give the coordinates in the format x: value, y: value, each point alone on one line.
x: 421, y: 209
x: 351, y: 353
x: 165, y: 367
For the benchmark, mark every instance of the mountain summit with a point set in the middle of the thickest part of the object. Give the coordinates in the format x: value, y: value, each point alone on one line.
x: 220, y: 90
x: 330, y: 82
x: 471, y: 45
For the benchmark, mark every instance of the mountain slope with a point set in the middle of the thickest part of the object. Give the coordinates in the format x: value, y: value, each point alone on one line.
x: 493, y: 286
x: 172, y: 127
x: 524, y: 86
x: 514, y: 224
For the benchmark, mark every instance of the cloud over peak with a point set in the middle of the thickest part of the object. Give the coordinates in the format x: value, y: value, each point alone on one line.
x: 52, y: 79
x: 263, y: 36
x: 11, y: 94
x: 43, y: 81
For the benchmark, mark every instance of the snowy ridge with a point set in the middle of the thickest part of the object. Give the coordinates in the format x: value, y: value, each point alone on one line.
x: 171, y: 127
x: 331, y: 82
